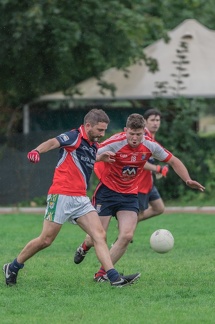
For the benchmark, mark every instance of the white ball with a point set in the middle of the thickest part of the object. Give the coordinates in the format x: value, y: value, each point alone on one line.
x: 162, y: 241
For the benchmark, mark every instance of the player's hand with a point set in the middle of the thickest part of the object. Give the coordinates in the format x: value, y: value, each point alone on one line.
x: 106, y: 157
x: 195, y: 185
x: 163, y: 170
x: 34, y: 156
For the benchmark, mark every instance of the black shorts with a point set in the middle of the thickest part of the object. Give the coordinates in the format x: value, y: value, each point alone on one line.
x: 108, y: 202
x: 144, y: 199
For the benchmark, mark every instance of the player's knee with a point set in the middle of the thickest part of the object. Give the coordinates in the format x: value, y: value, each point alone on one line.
x: 126, y: 238
x: 100, y: 236
x: 140, y: 215
x: 158, y: 208
x: 103, y: 235
x: 46, y: 242
x: 161, y: 209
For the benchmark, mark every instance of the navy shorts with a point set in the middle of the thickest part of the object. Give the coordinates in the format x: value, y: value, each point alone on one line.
x: 144, y: 199
x: 108, y: 202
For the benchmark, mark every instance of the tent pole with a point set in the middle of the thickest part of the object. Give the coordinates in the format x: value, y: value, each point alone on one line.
x: 26, y: 121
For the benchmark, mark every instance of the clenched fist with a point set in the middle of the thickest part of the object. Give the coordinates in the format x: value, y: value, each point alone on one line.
x: 163, y: 170
x: 34, y: 156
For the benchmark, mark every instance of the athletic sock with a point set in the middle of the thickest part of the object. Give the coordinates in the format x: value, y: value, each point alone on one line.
x: 113, y: 275
x: 15, y: 266
x: 101, y: 272
x: 85, y: 247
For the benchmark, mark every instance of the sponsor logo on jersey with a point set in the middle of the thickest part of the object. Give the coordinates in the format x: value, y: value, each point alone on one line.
x: 90, y: 149
x: 64, y: 137
x: 131, y: 171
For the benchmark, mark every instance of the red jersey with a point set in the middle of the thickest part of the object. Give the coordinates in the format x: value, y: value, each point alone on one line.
x: 146, y: 178
x: 75, y: 164
x: 123, y: 175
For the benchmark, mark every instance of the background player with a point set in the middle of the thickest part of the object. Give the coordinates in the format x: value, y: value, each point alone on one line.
x: 150, y: 201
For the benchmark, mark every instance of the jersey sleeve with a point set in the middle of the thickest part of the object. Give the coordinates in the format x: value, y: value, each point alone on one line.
x: 68, y: 138
x: 106, y: 148
x: 160, y: 153
x: 113, y: 143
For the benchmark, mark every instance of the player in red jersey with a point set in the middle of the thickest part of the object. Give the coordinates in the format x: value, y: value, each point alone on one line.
x: 117, y: 192
x: 67, y: 199
x: 150, y: 201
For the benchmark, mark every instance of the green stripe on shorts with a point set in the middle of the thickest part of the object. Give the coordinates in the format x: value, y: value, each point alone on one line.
x: 51, y: 207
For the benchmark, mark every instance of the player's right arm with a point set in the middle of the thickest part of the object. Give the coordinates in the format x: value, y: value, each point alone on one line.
x: 51, y: 144
x: 34, y: 155
x: 162, y: 170
x: 107, y: 156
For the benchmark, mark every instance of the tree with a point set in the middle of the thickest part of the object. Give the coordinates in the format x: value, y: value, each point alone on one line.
x: 50, y: 45
x: 172, y: 13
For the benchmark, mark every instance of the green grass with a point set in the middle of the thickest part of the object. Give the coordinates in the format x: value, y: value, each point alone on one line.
x: 177, y: 287
x: 200, y: 200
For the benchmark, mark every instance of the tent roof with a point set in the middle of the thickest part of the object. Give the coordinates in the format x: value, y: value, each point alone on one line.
x: 141, y: 83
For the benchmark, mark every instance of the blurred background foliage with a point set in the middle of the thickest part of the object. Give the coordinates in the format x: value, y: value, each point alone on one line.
x: 51, y: 45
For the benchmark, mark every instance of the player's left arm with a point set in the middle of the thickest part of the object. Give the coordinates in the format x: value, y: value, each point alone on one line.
x: 183, y: 173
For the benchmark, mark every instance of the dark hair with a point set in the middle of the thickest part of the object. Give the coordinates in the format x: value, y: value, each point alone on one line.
x: 135, y: 121
x: 95, y: 116
x: 150, y: 112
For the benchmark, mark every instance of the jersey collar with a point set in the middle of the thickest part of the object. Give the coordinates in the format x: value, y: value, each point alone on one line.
x: 147, y: 132
x: 84, y: 135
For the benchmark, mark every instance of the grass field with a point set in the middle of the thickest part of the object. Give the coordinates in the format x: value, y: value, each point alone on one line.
x: 177, y: 287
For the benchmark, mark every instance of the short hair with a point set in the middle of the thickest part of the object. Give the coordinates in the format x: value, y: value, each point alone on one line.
x: 135, y: 121
x: 95, y: 116
x: 150, y: 112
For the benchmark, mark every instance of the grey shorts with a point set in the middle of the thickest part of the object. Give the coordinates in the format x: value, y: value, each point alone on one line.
x: 61, y: 208
x: 144, y: 199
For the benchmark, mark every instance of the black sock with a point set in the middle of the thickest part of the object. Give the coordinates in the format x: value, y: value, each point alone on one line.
x: 15, y: 266
x: 113, y: 275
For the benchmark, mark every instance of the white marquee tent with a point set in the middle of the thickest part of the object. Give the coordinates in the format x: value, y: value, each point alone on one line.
x: 141, y: 83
